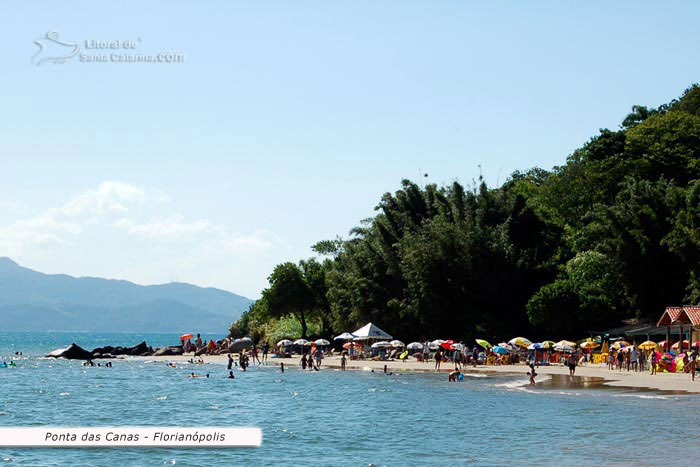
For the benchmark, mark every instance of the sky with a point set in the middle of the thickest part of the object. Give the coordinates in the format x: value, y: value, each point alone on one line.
x: 284, y: 122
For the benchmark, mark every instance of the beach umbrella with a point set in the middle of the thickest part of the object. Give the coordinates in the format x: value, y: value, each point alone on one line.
x: 676, y: 346
x: 414, y: 346
x: 499, y: 350
x: 483, y: 343
x: 347, y: 345
x: 184, y: 337
x: 284, y: 343
x: 620, y: 344
x: 535, y: 346
x: 547, y: 344
x: 447, y: 345
x: 346, y: 336
x: 321, y: 342
x: 381, y: 345
x: 397, y: 343
x: 563, y: 348
x: 301, y: 342
x: 647, y: 345
x: 590, y: 345
x: 565, y: 342
x: 457, y: 346
x: 520, y: 342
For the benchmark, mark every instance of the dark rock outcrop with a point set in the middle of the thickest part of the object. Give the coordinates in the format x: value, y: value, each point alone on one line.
x: 72, y: 352
x: 172, y: 350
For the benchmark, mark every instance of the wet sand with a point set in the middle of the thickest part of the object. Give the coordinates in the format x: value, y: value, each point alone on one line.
x: 680, y: 382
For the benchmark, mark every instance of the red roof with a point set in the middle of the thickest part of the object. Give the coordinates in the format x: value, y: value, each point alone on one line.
x: 693, y: 314
x: 670, y: 316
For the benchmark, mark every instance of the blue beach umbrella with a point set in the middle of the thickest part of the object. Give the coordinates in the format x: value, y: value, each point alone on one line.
x: 499, y: 350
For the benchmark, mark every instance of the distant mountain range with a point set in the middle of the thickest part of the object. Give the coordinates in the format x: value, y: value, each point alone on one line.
x: 33, y: 301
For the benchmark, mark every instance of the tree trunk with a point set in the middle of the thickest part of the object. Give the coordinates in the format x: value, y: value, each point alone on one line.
x: 302, y: 319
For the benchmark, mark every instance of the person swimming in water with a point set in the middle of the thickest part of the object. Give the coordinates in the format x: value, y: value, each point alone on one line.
x: 453, y: 377
x: 230, y: 375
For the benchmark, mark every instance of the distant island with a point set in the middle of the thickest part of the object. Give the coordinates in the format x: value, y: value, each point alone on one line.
x: 34, y: 301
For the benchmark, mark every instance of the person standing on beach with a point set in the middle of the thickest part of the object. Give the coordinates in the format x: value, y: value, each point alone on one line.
x: 633, y: 358
x: 426, y: 351
x: 572, y: 365
x: 343, y: 360
x: 620, y: 359
x: 652, y: 362
x: 693, y: 362
x: 611, y: 360
x: 438, y: 359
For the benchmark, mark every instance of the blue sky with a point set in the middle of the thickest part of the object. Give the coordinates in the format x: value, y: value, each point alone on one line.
x: 287, y: 120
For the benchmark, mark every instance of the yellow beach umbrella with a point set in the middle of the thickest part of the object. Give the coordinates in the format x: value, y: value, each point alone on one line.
x: 484, y: 343
x: 520, y: 341
x: 565, y: 342
x: 647, y: 345
x: 590, y: 345
x: 548, y: 344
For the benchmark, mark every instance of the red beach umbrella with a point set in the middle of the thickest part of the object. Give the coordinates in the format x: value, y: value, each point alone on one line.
x: 447, y: 344
x: 677, y: 345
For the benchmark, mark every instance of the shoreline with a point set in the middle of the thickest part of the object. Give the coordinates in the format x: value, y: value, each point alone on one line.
x: 676, y: 382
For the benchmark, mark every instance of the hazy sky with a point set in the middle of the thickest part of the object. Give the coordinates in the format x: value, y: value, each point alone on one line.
x: 287, y: 120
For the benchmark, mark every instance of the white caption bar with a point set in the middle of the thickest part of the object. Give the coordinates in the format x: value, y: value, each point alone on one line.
x: 133, y: 437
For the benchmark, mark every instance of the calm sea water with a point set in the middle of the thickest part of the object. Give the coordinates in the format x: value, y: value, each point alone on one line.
x: 338, y: 418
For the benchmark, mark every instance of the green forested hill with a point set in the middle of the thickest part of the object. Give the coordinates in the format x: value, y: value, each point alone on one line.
x: 611, y: 234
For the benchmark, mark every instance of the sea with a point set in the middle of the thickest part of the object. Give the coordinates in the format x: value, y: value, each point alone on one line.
x: 334, y: 418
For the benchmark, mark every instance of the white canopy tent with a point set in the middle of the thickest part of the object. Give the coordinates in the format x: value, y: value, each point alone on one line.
x: 371, y: 331
x: 346, y: 336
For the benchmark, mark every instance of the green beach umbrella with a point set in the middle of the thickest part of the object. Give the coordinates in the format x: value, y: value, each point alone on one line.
x: 547, y: 344
x: 483, y: 343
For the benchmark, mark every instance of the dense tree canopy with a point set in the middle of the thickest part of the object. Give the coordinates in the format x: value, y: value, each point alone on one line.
x: 611, y: 234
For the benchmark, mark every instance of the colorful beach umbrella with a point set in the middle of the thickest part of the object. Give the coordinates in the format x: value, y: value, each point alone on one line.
x: 485, y: 344
x: 590, y: 345
x: 565, y: 343
x: 499, y: 350
x: 184, y: 337
x: 534, y: 346
x: 520, y: 341
x: 647, y: 345
x: 620, y: 344
x: 547, y: 344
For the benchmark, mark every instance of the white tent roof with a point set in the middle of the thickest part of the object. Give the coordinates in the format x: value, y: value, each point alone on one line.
x: 370, y: 331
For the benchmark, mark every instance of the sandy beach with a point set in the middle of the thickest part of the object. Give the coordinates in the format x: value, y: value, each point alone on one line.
x: 635, y: 380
